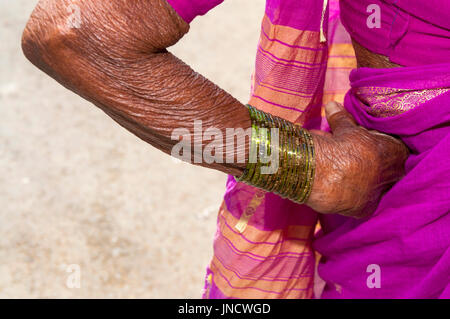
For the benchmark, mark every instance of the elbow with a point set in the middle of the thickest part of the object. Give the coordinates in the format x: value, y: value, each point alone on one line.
x: 48, y: 38
x: 104, y: 31
x: 32, y: 47
x: 41, y: 44
x: 56, y: 48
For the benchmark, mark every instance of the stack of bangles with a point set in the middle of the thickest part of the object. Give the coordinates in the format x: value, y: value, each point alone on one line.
x: 287, y: 149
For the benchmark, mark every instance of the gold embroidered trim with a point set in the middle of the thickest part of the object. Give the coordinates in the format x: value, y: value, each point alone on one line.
x: 386, y: 102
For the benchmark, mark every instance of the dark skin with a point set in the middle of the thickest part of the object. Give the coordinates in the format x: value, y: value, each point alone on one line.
x: 118, y: 60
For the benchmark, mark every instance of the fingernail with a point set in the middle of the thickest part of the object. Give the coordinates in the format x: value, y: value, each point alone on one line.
x: 331, y: 108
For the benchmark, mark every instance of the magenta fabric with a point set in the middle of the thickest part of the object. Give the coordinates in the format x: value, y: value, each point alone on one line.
x: 408, y: 237
x: 191, y: 9
x: 280, y: 12
x: 291, y: 13
x: 413, y: 32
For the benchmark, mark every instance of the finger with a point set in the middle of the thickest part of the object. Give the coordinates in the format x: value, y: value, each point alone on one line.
x: 338, y: 118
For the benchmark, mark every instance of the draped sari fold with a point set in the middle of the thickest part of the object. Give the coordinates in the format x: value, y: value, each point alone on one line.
x: 407, y: 238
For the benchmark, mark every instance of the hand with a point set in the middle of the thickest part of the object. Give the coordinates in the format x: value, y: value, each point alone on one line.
x: 354, y: 166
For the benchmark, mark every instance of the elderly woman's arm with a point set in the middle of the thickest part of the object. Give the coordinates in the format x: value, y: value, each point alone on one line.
x: 117, y: 59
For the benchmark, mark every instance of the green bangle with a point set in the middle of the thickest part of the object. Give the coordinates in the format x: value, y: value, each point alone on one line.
x: 295, y: 150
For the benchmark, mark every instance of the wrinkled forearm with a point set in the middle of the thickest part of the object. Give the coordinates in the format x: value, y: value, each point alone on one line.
x: 117, y: 60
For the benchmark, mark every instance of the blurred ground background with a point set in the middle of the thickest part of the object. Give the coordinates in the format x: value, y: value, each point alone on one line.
x: 71, y: 184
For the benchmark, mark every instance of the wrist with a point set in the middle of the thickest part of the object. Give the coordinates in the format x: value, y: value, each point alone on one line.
x: 281, y: 157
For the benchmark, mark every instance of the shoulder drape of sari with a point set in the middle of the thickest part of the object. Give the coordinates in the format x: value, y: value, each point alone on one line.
x: 408, y: 237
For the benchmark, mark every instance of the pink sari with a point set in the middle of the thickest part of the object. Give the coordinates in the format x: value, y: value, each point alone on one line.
x: 403, y: 250
x: 408, y: 237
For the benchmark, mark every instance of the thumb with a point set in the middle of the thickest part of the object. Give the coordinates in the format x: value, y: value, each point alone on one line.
x: 338, y: 118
